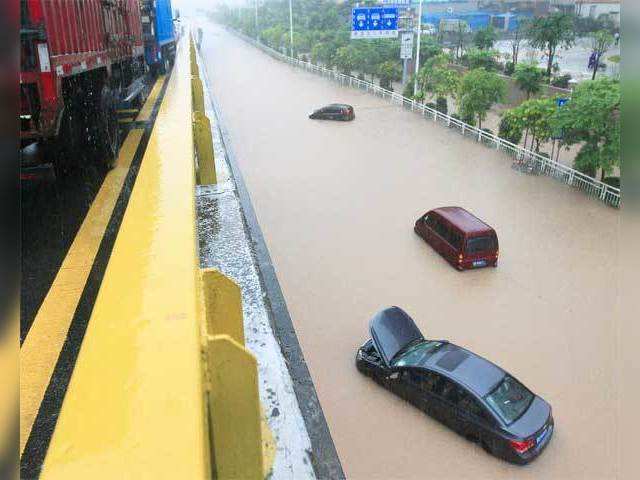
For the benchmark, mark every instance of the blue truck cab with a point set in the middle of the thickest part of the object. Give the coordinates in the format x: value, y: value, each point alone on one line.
x: 159, y: 34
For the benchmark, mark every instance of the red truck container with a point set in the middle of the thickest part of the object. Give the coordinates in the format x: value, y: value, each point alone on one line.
x: 79, y: 60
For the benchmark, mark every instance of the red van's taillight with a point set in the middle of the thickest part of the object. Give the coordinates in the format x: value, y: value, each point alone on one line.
x: 460, y: 258
x: 522, y: 447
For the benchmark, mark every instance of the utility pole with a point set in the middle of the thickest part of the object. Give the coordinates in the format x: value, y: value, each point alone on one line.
x: 415, y: 77
x: 291, y: 26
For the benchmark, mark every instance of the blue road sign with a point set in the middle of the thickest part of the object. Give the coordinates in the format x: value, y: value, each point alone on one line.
x: 562, y: 101
x: 374, y: 22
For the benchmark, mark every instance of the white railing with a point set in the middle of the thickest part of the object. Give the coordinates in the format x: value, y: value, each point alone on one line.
x: 524, y: 159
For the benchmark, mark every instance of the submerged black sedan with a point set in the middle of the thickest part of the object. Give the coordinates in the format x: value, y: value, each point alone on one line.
x: 335, y: 111
x: 461, y: 389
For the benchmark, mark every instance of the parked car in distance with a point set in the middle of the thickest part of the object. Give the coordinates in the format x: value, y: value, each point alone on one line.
x: 460, y: 237
x: 464, y: 391
x: 335, y: 111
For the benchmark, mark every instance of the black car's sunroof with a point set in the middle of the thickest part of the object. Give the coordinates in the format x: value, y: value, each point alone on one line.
x: 452, y: 359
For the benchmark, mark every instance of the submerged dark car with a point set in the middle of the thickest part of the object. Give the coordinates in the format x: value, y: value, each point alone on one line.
x: 335, y: 111
x: 464, y: 391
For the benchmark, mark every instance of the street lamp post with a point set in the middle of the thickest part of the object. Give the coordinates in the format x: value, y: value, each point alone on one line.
x: 291, y: 26
x: 415, y: 77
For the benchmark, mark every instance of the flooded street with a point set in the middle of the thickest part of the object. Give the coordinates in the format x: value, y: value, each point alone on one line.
x: 337, y: 203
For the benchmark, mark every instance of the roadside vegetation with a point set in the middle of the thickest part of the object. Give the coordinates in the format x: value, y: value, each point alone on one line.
x: 462, y: 68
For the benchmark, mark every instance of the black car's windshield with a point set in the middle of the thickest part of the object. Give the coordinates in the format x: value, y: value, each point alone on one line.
x: 415, y: 353
x: 480, y: 244
x: 510, y: 399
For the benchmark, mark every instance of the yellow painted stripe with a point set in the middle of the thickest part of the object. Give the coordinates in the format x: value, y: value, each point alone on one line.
x: 41, y: 348
x: 128, y: 111
x: 125, y: 120
x: 145, y: 112
x: 134, y: 407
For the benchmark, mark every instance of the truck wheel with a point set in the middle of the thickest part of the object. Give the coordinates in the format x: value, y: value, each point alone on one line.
x: 66, y: 147
x: 107, y: 132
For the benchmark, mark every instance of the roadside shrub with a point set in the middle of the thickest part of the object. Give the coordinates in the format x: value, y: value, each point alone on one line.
x: 361, y: 76
x: 509, y: 130
x: 304, y: 58
x: 386, y: 83
x: 509, y: 68
x: 455, y: 116
x: 408, y: 90
x: 469, y: 119
x: 612, y: 181
x: 431, y: 105
x: 562, y: 81
x: 441, y: 105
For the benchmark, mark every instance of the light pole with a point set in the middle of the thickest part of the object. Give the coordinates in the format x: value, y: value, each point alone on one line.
x: 291, y: 26
x: 415, y: 77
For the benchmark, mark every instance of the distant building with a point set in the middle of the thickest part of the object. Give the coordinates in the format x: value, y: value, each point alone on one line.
x: 529, y: 7
x: 595, y: 8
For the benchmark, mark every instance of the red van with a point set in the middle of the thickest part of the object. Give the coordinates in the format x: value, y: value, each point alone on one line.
x: 460, y: 237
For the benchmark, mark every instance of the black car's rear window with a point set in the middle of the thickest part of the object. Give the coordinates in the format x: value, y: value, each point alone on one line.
x: 480, y: 244
x: 510, y: 399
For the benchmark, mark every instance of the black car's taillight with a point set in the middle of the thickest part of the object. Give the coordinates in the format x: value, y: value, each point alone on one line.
x: 522, y: 446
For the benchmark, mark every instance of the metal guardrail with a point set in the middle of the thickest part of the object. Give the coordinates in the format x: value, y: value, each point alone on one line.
x: 524, y: 159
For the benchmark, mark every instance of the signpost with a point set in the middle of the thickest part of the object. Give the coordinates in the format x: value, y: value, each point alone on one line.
x: 374, y: 22
x: 406, y: 46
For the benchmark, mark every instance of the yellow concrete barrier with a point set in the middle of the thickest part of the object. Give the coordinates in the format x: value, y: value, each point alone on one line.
x: 234, y: 410
x: 136, y: 402
x: 163, y: 386
x: 204, y: 149
x: 197, y: 94
x: 223, y: 305
x: 193, y: 58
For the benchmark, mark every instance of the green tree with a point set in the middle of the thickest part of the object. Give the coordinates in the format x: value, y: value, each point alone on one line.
x: 460, y: 36
x: 478, y: 91
x: 600, y: 42
x: 592, y: 118
x: 437, y: 78
x: 389, y: 72
x: 429, y: 48
x: 528, y: 77
x: 475, y: 58
x: 345, y: 59
x: 511, y: 127
x: 550, y: 33
x: 518, y: 35
x: 322, y: 53
x: 537, y: 118
x: 485, y: 38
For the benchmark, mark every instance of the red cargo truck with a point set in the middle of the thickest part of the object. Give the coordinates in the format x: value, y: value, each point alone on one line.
x: 79, y: 60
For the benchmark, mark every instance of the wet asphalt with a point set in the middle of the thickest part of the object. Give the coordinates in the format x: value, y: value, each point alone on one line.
x: 52, y: 210
x: 336, y: 203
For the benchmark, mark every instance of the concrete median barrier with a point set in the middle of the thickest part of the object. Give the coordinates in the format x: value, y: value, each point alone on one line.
x: 206, y: 165
x: 163, y: 386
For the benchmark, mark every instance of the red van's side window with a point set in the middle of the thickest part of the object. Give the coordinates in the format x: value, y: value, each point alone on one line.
x: 456, y: 239
x: 440, y: 228
x: 430, y: 220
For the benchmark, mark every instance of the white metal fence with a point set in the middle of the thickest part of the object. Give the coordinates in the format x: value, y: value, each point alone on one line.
x: 523, y: 159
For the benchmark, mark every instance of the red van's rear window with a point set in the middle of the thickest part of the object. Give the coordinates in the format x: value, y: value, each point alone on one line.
x: 480, y: 244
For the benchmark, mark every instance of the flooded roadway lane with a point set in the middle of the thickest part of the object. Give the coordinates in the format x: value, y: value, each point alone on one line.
x: 337, y: 202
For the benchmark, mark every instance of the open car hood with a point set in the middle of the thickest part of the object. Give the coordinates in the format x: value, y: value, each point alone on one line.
x: 392, y: 330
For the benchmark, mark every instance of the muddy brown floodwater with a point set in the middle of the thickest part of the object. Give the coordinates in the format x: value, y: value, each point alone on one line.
x: 336, y: 203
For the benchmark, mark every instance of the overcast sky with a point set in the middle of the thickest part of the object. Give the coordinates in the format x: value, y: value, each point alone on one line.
x: 187, y: 6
